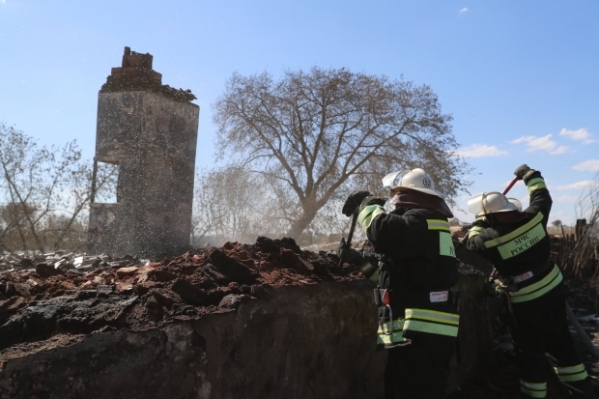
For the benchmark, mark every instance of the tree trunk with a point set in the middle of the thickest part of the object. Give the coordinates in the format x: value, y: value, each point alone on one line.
x: 298, y: 227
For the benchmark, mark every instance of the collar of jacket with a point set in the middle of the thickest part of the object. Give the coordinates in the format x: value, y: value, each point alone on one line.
x: 416, y: 199
x: 506, y: 217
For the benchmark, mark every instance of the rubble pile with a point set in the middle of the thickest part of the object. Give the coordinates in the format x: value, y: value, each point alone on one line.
x: 243, y: 320
x: 260, y: 320
x: 66, y: 294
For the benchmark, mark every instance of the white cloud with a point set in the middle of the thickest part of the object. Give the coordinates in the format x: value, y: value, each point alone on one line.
x: 579, y: 135
x: 591, y: 164
x: 575, y: 186
x: 543, y: 143
x: 566, y: 199
x: 464, y: 10
x: 559, y: 150
x: 480, y: 151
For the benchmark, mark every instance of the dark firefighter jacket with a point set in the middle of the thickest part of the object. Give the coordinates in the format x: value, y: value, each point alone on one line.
x: 520, y: 250
x: 421, y: 268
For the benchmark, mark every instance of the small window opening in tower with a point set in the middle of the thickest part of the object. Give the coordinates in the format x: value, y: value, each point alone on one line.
x: 104, y: 184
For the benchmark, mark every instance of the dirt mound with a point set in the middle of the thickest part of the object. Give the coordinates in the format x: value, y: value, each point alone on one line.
x: 44, y: 302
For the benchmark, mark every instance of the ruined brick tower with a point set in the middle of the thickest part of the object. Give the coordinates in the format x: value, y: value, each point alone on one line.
x: 150, y: 131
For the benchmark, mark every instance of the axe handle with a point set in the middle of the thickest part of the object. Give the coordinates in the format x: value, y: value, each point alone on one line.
x: 509, y: 186
x: 347, y: 243
x: 352, y: 228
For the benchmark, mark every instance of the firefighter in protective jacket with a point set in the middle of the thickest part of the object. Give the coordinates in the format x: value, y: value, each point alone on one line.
x: 518, y: 245
x: 418, y: 321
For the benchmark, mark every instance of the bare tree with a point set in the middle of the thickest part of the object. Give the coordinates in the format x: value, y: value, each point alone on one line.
x: 45, y: 191
x: 12, y: 233
x: 313, y: 137
x: 588, y: 203
x: 210, y: 209
x: 231, y: 205
x: 579, y: 252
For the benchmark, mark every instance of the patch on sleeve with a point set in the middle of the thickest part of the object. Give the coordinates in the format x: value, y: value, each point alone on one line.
x: 523, y: 277
x: 439, y: 296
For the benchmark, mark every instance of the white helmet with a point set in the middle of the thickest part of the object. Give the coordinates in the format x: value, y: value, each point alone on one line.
x: 516, y: 202
x: 492, y: 202
x: 415, y: 179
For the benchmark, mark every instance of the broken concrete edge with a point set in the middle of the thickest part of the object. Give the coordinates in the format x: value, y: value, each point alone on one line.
x: 231, y: 304
x: 307, y: 341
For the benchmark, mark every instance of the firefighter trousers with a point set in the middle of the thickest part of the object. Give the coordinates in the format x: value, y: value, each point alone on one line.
x: 419, y: 370
x: 540, y: 326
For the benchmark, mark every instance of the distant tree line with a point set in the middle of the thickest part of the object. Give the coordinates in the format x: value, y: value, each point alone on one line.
x: 294, y: 148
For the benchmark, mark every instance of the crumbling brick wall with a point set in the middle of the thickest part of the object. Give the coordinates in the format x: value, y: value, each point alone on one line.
x: 150, y: 131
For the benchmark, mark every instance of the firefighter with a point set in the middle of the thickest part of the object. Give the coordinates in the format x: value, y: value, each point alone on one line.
x: 518, y: 245
x: 418, y: 323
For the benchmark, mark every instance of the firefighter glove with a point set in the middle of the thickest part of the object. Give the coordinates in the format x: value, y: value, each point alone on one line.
x: 353, y: 201
x: 372, y: 200
x: 480, y: 223
x: 522, y: 171
x: 349, y: 255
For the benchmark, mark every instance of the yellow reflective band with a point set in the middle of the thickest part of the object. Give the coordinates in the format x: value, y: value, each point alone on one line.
x: 432, y: 322
x: 539, y: 288
x: 446, y: 247
x: 522, y: 243
x: 433, y: 315
x: 570, y: 370
x: 516, y: 233
x: 476, y: 230
x: 445, y: 242
x: 368, y: 214
x: 438, y: 224
x: 387, y: 327
x: 534, y: 389
x: 572, y: 373
x: 535, y: 184
x: 431, y: 328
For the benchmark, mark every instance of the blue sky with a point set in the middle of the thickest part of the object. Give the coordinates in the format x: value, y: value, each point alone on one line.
x: 521, y: 79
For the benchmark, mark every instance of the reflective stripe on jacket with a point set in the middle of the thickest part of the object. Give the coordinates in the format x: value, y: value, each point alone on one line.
x: 533, y: 389
x: 539, y: 288
x: 446, y: 247
x: 571, y: 373
x: 519, y: 240
x: 421, y: 321
x: 432, y: 322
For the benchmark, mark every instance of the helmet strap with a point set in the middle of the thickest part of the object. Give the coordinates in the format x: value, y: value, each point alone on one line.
x: 491, y: 219
x: 488, y: 216
x: 482, y: 202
